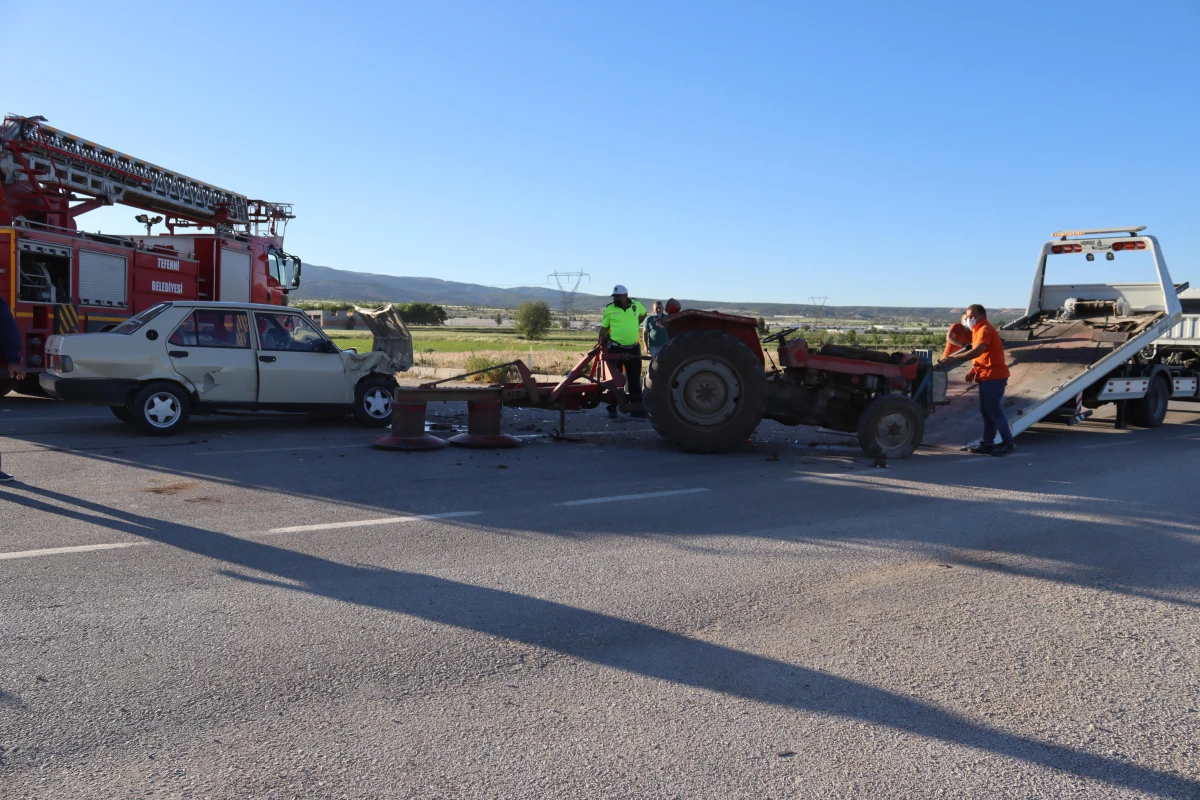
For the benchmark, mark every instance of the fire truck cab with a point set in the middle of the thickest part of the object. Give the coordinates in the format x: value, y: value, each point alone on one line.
x: 58, y: 279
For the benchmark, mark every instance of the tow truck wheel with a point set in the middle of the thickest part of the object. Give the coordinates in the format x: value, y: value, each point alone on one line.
x: 891, y: 426
x: 161, y: 409
x: 706, y: 391
x: 122, y: 413
x: 373, y: 400
x: 1151, y: 410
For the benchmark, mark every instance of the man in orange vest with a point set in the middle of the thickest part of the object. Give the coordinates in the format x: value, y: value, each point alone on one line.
x: 991, y: 372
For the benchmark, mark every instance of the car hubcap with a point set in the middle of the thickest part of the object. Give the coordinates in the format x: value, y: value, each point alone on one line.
x: 705, y: 391
x: 893, y: 431
x: 162, y: 409
x: 377, y: 403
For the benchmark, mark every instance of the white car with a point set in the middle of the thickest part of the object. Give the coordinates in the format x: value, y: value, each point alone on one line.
x: 177, y: 359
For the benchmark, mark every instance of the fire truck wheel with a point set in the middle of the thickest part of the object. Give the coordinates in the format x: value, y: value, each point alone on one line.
x: 122, y: 413
x: 161, y: 409
x: 891, y: 426
x: 373, y: 400
x: 1151, y: 410
x: 706, y: 391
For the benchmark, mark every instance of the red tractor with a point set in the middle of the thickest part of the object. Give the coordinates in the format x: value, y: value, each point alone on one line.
x: 711, y: 385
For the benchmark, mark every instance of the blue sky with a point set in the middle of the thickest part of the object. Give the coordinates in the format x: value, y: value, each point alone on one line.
x: 876, y: 153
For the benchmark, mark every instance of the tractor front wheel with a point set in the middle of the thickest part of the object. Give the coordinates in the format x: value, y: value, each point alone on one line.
x: 706, y: 391
x: 891, y: 426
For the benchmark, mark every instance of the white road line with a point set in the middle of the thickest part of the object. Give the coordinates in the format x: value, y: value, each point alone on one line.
x: 351, y: 446
x: 641, y: 496
x: 325, y: 526
x: 1106, y: 444
x: 83, y: 548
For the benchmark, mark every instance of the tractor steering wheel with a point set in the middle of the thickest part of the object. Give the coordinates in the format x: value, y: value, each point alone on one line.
x: 778, y: 336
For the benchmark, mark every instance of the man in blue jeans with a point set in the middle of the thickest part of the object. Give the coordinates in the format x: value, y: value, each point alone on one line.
x: 991, y: 372
x: 10, y: 350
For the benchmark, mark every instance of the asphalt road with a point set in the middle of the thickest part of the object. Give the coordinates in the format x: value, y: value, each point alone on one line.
x: 269, y: 608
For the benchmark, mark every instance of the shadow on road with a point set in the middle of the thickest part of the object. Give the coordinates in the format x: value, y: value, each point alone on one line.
x: 601, y: 639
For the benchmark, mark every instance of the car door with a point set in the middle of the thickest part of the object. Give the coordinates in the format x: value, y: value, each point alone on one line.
x: 298, y: 365
x: 212, y: 349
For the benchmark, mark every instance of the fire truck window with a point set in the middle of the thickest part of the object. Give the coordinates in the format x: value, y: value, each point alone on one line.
x: 273, y: 265
x: 213, y: 329
x: 44, y: 278
x: 288, y: 332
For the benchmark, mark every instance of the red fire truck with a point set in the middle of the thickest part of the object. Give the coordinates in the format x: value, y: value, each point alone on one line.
x: 59, y: 279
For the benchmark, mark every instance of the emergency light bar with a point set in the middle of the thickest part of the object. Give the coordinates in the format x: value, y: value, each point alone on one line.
x: 1132, y: 231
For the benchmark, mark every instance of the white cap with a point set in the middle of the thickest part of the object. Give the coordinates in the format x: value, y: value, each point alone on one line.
x: 619, y: 289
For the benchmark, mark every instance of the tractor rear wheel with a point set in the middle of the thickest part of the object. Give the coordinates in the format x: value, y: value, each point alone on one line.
x: 891, y: 426
x: 706, y: 391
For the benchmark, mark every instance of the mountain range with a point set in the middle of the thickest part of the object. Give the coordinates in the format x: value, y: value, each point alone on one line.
x: 328, y: 283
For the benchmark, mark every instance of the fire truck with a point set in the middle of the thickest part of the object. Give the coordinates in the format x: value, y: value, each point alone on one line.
x: 219, y: 245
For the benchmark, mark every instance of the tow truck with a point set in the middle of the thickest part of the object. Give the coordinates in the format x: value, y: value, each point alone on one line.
x: 1079, y: 346
x: 58, y: 279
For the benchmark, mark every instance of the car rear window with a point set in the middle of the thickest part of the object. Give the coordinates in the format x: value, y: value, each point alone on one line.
x: 138, y: 320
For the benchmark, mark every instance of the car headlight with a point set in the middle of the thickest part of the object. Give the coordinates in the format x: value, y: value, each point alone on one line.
x: 66, y: 365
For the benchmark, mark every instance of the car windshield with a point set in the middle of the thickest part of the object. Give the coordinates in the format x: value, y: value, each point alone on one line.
x: 133, y: 323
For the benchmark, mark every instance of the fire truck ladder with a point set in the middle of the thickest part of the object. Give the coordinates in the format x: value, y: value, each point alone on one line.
x: 54, y: 162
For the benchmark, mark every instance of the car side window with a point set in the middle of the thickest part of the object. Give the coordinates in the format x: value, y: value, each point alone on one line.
x: 213, y: 328
x: 288, y: 332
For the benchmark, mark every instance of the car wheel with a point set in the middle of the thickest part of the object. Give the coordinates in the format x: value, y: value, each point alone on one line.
x: 373, y: 400
x: 161, y: 409
x: 122, y: 413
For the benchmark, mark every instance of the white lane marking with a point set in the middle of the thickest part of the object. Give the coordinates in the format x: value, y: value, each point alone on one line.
x: 641, y: 496
x: 326, y: 526
x: 1106, y: 444
x: 351, y: 446
x: 83, y: 548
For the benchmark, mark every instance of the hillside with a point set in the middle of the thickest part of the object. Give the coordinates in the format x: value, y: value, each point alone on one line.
x: 327, y: 283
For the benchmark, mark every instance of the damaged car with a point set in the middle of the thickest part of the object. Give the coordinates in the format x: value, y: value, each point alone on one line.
x: 173, y: 360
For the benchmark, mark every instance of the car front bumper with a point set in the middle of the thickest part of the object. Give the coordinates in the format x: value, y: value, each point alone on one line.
x: 98, y: 391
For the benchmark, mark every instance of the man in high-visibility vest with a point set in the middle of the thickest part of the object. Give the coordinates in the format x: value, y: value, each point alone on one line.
x: 620, y: 329
x: 10, y: 354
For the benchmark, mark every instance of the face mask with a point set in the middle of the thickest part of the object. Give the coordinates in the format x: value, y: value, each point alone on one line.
x: 970, y: 323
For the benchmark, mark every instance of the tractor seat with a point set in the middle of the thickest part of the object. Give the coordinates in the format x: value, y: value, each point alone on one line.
x: 861, y: 354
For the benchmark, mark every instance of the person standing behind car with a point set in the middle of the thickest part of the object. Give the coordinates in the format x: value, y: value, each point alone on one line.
x: 10, y: 349
x: 654, y: 332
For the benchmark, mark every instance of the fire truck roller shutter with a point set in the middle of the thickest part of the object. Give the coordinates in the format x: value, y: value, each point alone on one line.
x: 235, y: 276
x: 102, y: 279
